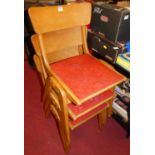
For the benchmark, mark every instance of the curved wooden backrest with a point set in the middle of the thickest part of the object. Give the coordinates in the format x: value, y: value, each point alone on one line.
x: 62, y: 30
x: 60, y: 33
x: 52, y: 18
x: 59, y: 45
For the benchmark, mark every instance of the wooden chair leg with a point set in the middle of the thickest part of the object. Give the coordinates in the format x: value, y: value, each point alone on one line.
x: 46, y: 90
x: 46, y: 107
x: 102, y: 118
x: 65, y: 137
x: 56, y: 103
x: 109, y: 110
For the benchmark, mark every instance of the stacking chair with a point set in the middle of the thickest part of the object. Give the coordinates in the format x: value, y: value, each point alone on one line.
x: 77, y: 86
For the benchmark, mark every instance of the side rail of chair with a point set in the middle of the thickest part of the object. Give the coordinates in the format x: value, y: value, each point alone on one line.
x: 56, y: 102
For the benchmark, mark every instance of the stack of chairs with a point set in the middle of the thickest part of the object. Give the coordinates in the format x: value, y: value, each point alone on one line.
x: 77, y: 86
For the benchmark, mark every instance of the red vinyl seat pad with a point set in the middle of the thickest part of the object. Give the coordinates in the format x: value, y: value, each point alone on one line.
x: 74, y: 123
x: 75, y: 111
x: 85, y: 75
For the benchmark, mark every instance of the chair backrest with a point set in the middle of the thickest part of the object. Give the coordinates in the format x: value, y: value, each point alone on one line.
x: 61, y: 44
x: 52, y: 18
x: 60, y: 33
x: 62, y: 29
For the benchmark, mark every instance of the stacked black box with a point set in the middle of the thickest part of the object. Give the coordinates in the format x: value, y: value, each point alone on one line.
x: 107, y: 49
x: 111, y: 21
x: 110, y: 30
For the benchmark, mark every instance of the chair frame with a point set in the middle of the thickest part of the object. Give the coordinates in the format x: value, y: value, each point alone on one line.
x: 56, y: 94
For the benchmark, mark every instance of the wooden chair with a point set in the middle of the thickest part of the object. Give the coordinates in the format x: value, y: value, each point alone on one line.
x: 77, y: 86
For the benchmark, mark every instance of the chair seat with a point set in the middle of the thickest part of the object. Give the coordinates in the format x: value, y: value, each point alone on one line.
x: 85, y: 76
x: 76, y: 111
x: 75, y: 123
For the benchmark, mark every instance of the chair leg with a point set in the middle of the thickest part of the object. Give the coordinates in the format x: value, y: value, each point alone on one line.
x: 63, y: 128
x: 102, y: 118
x: 109, y: 110
x: 65, y: 137
x: 46, y: 107
x: 46, y: 90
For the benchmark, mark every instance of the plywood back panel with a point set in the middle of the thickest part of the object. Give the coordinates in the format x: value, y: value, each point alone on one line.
x: 62, y: 39
x: 52, y: 18
x: 62, y: 54
x: 58, y: 40
x: 59, y: 45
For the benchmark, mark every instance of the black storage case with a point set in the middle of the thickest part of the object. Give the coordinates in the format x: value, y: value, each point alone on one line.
x: 107, y: 49
x: 112, y: 21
